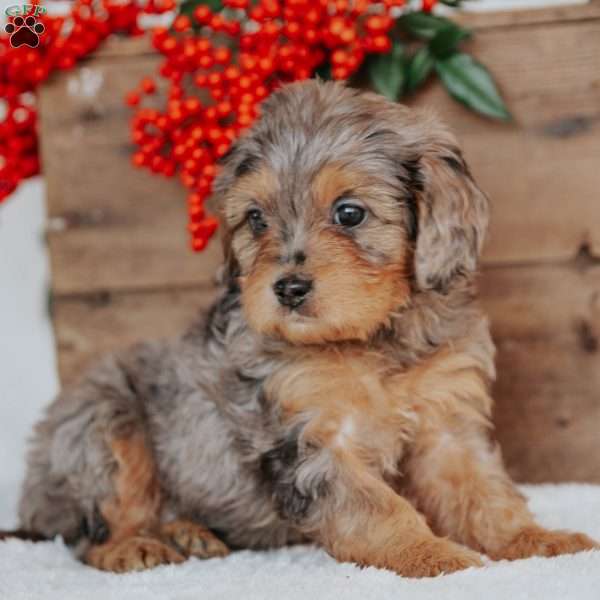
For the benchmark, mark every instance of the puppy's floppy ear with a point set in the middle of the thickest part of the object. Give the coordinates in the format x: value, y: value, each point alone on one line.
x: 231, y: 267
x: 452, y: 215
x: 241, y: 158
x: 229, y: 171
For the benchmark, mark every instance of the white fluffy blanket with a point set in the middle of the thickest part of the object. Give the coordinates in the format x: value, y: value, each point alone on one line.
x: 47, y: 571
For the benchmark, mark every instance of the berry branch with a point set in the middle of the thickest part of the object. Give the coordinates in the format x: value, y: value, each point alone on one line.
x: 221, y: 59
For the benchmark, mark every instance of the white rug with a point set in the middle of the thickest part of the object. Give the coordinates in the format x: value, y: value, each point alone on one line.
x: 47, y: 571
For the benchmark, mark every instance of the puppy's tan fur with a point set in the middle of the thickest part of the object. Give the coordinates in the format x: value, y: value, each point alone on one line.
x: 358, y: 417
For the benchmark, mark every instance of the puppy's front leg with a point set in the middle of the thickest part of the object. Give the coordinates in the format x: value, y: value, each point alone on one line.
x: 338, y: 501
x: 458, y: 480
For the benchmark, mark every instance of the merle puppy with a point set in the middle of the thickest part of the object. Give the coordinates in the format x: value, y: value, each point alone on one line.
x: 337, y: 390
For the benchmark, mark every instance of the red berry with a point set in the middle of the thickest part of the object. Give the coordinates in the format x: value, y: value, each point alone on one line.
x: 148, y: 85
x: 132, y: 99
x: 182, y: 23
x: 202, y: 14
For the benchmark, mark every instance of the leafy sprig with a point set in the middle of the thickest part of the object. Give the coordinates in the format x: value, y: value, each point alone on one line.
x: 426, y: 44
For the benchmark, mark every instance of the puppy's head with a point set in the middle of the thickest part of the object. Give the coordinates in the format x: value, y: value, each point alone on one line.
x: 337, y: 206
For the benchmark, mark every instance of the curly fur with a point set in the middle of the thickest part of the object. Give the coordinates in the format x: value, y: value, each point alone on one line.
x: 359, y: 420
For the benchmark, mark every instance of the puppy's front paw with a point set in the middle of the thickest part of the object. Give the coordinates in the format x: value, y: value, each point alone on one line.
x: 436, y: 556
x: 536, y: 541
x: 193, y: 540
x: 135, y: 553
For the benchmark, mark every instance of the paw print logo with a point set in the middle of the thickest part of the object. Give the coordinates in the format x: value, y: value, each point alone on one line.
x: 24, y: 31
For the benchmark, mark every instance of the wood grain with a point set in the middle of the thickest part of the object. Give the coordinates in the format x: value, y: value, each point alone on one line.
x: 110, y: 226
x: 541, y: 171
x: 522, y: 18
x: 90, y: 326
x: 546, y: 324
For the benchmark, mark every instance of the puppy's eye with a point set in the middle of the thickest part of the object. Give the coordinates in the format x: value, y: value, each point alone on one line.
x: 349, y: 215
x: 256, y: 221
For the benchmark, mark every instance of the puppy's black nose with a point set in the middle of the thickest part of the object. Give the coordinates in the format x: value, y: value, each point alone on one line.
x: 292, y: 291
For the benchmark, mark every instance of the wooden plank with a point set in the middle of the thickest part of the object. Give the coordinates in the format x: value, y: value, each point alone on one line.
x: 545, y: 321
x: 88, y: 327
x: 118, y: 47
x: 531, y: 16
x: 85, y: 106
x: 108, y: 235
x: 110, y: 226
x: 541, y: 171
x: 546, y: 324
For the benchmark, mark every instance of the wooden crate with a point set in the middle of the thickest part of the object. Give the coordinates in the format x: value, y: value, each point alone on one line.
x: 122, y: 271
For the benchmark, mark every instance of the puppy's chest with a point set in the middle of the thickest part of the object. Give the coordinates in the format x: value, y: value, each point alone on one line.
x: 347, y: 401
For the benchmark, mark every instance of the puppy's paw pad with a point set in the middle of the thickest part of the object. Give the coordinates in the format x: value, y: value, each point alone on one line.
x: 430, y: 558
x: 193, y: 540
x: 133, y: 554
x: 536, y: 541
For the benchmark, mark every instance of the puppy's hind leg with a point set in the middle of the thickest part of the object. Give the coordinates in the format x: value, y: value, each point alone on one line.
x: 132, y: 513
x: 137, y: 539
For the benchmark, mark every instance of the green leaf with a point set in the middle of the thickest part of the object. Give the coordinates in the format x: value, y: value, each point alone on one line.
x: 323, y: 71
x: 452, y: 3
x: 386, y: 72
x: 470, y: 83
x: 187, y: 7
x: 424, y: 25
x: 419, y: 68
x: 446, y: 40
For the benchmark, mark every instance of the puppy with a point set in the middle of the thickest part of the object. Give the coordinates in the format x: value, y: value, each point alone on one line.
x: 338, y: 389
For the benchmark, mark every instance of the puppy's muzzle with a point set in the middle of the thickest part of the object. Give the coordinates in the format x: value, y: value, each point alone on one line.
x: 291, y: 291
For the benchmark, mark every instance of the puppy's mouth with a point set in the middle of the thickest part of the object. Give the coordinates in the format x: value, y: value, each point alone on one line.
x: 299, y: 312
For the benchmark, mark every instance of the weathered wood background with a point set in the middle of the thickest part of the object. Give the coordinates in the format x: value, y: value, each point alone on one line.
x: 122, y: 272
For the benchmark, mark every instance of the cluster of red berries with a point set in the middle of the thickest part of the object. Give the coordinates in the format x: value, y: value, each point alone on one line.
x: 65, y: 40
x: 221, y: 65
